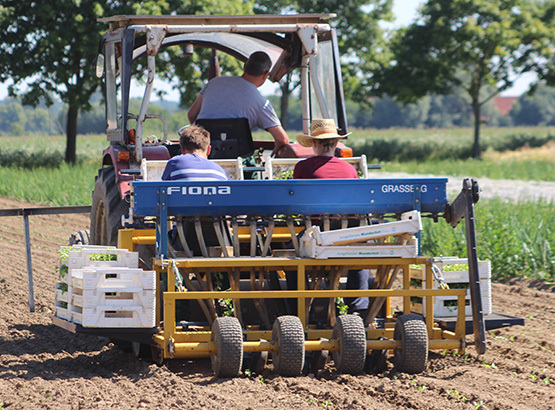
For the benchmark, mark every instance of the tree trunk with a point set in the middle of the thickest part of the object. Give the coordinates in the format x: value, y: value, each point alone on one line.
x: 71, y: 134
x: 476, y: 108
x: 284, y: 102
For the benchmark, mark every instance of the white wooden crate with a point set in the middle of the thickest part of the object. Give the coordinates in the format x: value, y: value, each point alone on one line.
x: 115, y: 316
x: 82, y: 258
x: 115, y: 279
x: 484, y: 268
x: 309, y: 249
x: 93, y: 298
x: 152, y: 170
x: 61, y: 311
x: 445, y: 306
x: 61, y: 295
x: 274, y: 167
x: 409, y: 224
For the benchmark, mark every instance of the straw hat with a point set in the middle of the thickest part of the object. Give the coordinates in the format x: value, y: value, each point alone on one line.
x: 320, y: 129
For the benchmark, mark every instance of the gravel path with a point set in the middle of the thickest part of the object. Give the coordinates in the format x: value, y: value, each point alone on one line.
x: 510, y: 189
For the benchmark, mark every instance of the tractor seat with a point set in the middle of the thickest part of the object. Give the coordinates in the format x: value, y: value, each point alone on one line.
x: 229, y: 137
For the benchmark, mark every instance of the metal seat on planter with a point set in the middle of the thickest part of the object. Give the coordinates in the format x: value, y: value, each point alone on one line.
x: 229, y: 137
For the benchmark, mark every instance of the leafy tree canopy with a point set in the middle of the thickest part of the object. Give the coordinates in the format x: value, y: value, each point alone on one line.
x: 360, y: 37
x: 47, y: 49
x: 462, y: 46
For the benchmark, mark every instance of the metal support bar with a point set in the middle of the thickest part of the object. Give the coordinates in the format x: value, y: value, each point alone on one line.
x: 29, y: 263
x: 463, y: 207
x: 162, y: 240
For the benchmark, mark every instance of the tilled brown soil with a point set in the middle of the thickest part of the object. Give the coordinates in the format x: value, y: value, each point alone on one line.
x: 43, y: 366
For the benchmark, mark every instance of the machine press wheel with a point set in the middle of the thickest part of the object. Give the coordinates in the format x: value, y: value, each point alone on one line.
x: 288, y: 334
x: 351, y: 357
x: 156, y: 354
x: 318, y: 361
x: 412, y: 356
x: 141, y: 350
x: 376, y: 362
x: 256, y: 362
x: 228, y: 335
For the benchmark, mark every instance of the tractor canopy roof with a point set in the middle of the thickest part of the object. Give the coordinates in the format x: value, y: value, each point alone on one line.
x: 280, y: 36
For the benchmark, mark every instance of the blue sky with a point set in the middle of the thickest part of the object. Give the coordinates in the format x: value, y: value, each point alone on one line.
x: 405, y: 11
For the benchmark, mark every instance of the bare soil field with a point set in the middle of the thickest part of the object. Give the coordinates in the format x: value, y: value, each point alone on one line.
x: 43, y: 366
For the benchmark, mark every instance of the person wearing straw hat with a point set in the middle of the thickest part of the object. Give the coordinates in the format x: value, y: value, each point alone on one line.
x: 323, y: 139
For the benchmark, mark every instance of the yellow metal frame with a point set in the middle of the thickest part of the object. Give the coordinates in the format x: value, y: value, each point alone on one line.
x: 174, y: 342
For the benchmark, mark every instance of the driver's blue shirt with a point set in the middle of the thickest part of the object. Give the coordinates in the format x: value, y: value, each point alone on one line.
x: 194, y: 168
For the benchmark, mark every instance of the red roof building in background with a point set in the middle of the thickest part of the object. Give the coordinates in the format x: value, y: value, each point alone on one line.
x: 505, y: 104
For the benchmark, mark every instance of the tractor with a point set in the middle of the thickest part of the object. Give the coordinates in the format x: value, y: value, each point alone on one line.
x: 229, y: 301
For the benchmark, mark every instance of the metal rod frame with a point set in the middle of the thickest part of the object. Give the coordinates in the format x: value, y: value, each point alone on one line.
x: 26, y: 212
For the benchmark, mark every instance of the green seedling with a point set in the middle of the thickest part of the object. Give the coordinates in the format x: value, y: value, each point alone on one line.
x: 479, y: 405
x: 341, y: 306
x: 457, y: 395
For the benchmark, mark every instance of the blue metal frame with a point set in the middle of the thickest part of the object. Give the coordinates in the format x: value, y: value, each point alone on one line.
x: 285, y: 197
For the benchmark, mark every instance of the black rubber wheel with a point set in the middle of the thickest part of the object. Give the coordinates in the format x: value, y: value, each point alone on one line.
x: 228, y: 335
x: 80, y: 238
x: 351, y: 357
x: 107, y: 208
x: 288, y: 334
x: 412, y: 356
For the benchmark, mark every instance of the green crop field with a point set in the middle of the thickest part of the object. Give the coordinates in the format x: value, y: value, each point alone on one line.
x: 519, y: 239
x: 32, y: 168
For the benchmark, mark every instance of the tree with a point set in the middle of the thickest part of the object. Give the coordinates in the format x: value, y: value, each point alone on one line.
x: 360, y: 39
x: 47, y: 49
x: 537, y: 109
x: 188, y: 74
x: 462, y: 46
x: 12, y: 118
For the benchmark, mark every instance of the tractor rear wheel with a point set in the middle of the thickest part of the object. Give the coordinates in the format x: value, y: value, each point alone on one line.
x: 107, y: 208
x: 412, y: 356
x: 351, y: 357
x: 228, y: 335
x: 288, y: 334
x: 80, y: 238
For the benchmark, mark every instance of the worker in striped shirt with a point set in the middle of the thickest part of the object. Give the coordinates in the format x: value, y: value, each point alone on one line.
x: 193, y: 163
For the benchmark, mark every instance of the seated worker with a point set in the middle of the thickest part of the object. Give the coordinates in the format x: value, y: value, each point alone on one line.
x: 238, y: 97
x: 323, y: 139
x: 193, y: 163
